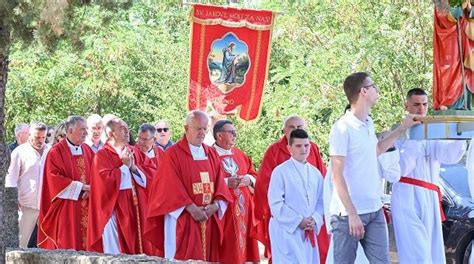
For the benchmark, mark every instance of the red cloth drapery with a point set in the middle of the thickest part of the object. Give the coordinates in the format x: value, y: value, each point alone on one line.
x: 447, y: 61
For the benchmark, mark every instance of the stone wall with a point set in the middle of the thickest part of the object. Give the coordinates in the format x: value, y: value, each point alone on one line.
x: 41, y: 256
x: 10, y: 207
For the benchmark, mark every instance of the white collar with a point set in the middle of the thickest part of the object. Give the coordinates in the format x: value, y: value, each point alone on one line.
x: 197, y: 152
x: 151, y: 153
x: 75, y: 150
x: 222, y: 151
x: 299, y: 164
x: 118, y: 150
x: 356, y: 121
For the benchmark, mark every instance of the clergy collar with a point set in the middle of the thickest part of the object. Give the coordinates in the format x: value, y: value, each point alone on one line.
x: 76, y: 150
x: 198, y: 153
x: 195, y: 148
x: 72, y: 144
x: 222, y: 151
x: 118, y: 149
x: 151, y: 153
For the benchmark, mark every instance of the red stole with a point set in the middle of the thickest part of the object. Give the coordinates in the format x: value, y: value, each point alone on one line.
x: 181, y: 181
x: 274, y: 156
x: 106, y: 197
x: 239, y: 247
x: 149, y: 166
x: 62, y: 222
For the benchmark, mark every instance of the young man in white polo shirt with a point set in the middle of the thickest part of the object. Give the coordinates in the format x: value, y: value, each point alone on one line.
x: 356, y: 207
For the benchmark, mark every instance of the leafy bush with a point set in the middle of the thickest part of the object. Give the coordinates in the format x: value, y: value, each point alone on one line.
x: 133, y: 61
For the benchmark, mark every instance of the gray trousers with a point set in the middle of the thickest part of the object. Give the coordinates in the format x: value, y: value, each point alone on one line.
x: 374, y: 242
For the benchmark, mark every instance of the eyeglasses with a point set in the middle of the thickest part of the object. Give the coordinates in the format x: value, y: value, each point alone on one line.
x: 159, y: 130
x: 233, y: 132
x: 145, y: 139
x: 371, y: 85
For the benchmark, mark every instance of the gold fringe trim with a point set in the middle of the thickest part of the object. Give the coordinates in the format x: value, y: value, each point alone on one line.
x: 47, y: 237
x: 232, y: 24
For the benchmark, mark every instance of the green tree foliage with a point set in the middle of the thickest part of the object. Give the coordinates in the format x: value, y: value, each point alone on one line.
x: 133, y: 61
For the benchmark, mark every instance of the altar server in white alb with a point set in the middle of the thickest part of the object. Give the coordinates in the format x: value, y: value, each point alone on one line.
x: 295, y: 196
x: 416, y: 210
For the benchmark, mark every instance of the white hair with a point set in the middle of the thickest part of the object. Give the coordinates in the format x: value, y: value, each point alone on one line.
x: 93, y: 119
x: 37, y: 126
x: 20, y: 127
x: 195, y: 114
x: 71, y: 121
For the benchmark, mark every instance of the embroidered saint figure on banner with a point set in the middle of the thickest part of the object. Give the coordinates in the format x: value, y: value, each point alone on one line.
x: 228, y: 62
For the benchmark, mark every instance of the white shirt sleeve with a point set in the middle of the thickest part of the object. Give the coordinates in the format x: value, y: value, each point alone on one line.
x: 338, y: 140
x: 72, y: 191
x: 11, y: 180
x: 389, y: 163
x: 449, y: 151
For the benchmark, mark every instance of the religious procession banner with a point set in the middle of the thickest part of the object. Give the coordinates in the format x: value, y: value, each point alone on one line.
x: 230, y: 51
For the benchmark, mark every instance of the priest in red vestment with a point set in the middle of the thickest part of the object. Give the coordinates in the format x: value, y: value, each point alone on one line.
x: 64, y: 198
x: 189, y: 192
x: 276, y: 154
x: 238, y: 247
x: 114, y: 210
x: 147, y: 157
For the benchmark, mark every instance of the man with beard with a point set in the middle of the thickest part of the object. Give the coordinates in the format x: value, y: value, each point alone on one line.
x: 26, y: 174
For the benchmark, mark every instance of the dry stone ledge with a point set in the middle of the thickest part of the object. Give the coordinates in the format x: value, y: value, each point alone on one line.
x: 42, y: 256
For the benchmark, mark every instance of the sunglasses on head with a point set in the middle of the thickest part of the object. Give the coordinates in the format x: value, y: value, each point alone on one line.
x: 162, y: 129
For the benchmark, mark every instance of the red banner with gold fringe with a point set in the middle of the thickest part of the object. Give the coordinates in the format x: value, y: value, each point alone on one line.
x: 230, y: 52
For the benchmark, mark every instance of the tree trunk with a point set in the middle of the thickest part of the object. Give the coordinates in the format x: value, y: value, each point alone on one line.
x: 4, y: 151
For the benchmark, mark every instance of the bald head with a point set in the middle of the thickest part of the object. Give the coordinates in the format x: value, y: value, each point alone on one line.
x: 291, y: 123
x: 117, y: 131
x: 196, y: 125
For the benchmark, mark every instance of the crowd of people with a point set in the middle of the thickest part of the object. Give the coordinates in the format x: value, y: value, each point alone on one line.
x: 90, y: 189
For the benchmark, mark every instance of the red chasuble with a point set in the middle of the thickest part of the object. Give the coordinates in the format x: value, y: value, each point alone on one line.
x: 63, y: 222
x: 274, y: 156
x: 239, y: 247
x: 106, y: 197
x: 150, y: 168
x: 181, y: 181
